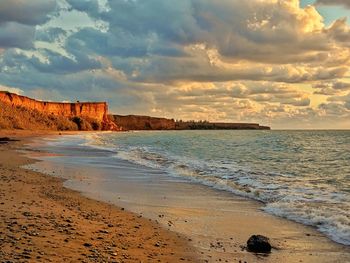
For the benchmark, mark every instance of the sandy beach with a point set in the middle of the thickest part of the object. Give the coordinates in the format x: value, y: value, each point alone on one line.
x: 175, y: 131
x: 41, y: 221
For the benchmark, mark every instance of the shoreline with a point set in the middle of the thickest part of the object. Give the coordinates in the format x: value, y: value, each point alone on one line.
x: 292, y: 241
x: 42, y: 221
x: 295, y: 243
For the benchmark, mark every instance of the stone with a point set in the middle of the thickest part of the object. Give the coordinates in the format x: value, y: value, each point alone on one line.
x: 27, y: 214
x: 87, y: 245
x: 259, y: 244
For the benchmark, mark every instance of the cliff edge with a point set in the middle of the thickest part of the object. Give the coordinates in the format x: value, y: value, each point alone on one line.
x: 20, y: 112
x: 137, y: 122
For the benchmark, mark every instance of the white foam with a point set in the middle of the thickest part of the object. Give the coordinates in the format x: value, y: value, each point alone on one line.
x: 320, y: 205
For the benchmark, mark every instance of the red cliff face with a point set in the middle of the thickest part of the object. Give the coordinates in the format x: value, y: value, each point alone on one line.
x: 94, y: 115
x: 95, y: 110
x: 90, y: 111
x: 134, y: 122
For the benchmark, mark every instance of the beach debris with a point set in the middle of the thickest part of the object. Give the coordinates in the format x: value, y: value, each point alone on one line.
x: 259, y: 244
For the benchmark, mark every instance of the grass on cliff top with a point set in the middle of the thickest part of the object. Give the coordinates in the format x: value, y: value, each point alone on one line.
x: 14, y: 117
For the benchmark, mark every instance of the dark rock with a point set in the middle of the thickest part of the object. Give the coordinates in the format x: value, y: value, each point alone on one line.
x: 4, y: 140
x: 87, y: 245
x: 259, y: 244
x: 27, y: 214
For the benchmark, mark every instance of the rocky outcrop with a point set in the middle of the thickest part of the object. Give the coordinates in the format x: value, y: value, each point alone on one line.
x: 135, y: 122
x: 79, y: 112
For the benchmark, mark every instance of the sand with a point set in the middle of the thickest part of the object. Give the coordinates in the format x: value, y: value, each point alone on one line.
x: 41, y: 221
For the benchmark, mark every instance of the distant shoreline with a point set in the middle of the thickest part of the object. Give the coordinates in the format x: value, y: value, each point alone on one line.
x: 89, y: 116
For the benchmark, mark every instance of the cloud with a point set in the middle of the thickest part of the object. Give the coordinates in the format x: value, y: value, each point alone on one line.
x: 345, y: 3
x: 87, y: 6
x: 256, y: 60
x: 234, y: 28
x: 53, y: 34
x: 33, y: 12
x: 340, y: 31
x: 56, y: 63
x: 331, y: 88
x: 216, y: 41
x: 334, y: 109
x: 198, y: 99
x: 17, y: 35
x: 10, y: 89
x: 18, y: 19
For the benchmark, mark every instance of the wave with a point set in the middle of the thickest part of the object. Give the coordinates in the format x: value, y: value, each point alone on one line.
x: 284, y: 195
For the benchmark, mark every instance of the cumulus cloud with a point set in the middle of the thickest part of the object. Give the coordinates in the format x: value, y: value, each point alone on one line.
x: 340, y: 31
x: 211, y: 41
x: 227, y: 60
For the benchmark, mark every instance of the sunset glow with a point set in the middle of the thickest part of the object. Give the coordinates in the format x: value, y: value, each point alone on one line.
x: 282, y: 63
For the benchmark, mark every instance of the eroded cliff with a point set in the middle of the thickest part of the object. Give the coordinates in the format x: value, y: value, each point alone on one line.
x: 82, y: 115
x: 20, y: 112
x: 94, y: 110
x: 135, y: 122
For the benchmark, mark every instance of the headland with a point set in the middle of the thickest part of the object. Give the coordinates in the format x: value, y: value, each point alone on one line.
x: 21, y: 112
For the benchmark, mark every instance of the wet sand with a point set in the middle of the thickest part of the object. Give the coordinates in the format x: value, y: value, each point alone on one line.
x: 216, y: 223
x: 42, y: 221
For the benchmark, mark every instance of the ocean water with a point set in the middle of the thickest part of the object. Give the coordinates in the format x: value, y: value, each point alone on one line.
x: 300, y: 175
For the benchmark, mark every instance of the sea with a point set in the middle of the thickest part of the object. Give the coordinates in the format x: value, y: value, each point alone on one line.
x: 302, y: 176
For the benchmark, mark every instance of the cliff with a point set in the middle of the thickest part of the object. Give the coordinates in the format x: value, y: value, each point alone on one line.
x: 135, y: 122
x: 20, y: 112
x: 94, y: 110
x: 86, y: 115
x: 191, y: 125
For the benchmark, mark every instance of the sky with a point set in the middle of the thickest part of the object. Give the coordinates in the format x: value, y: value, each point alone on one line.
x: 282, y: 63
